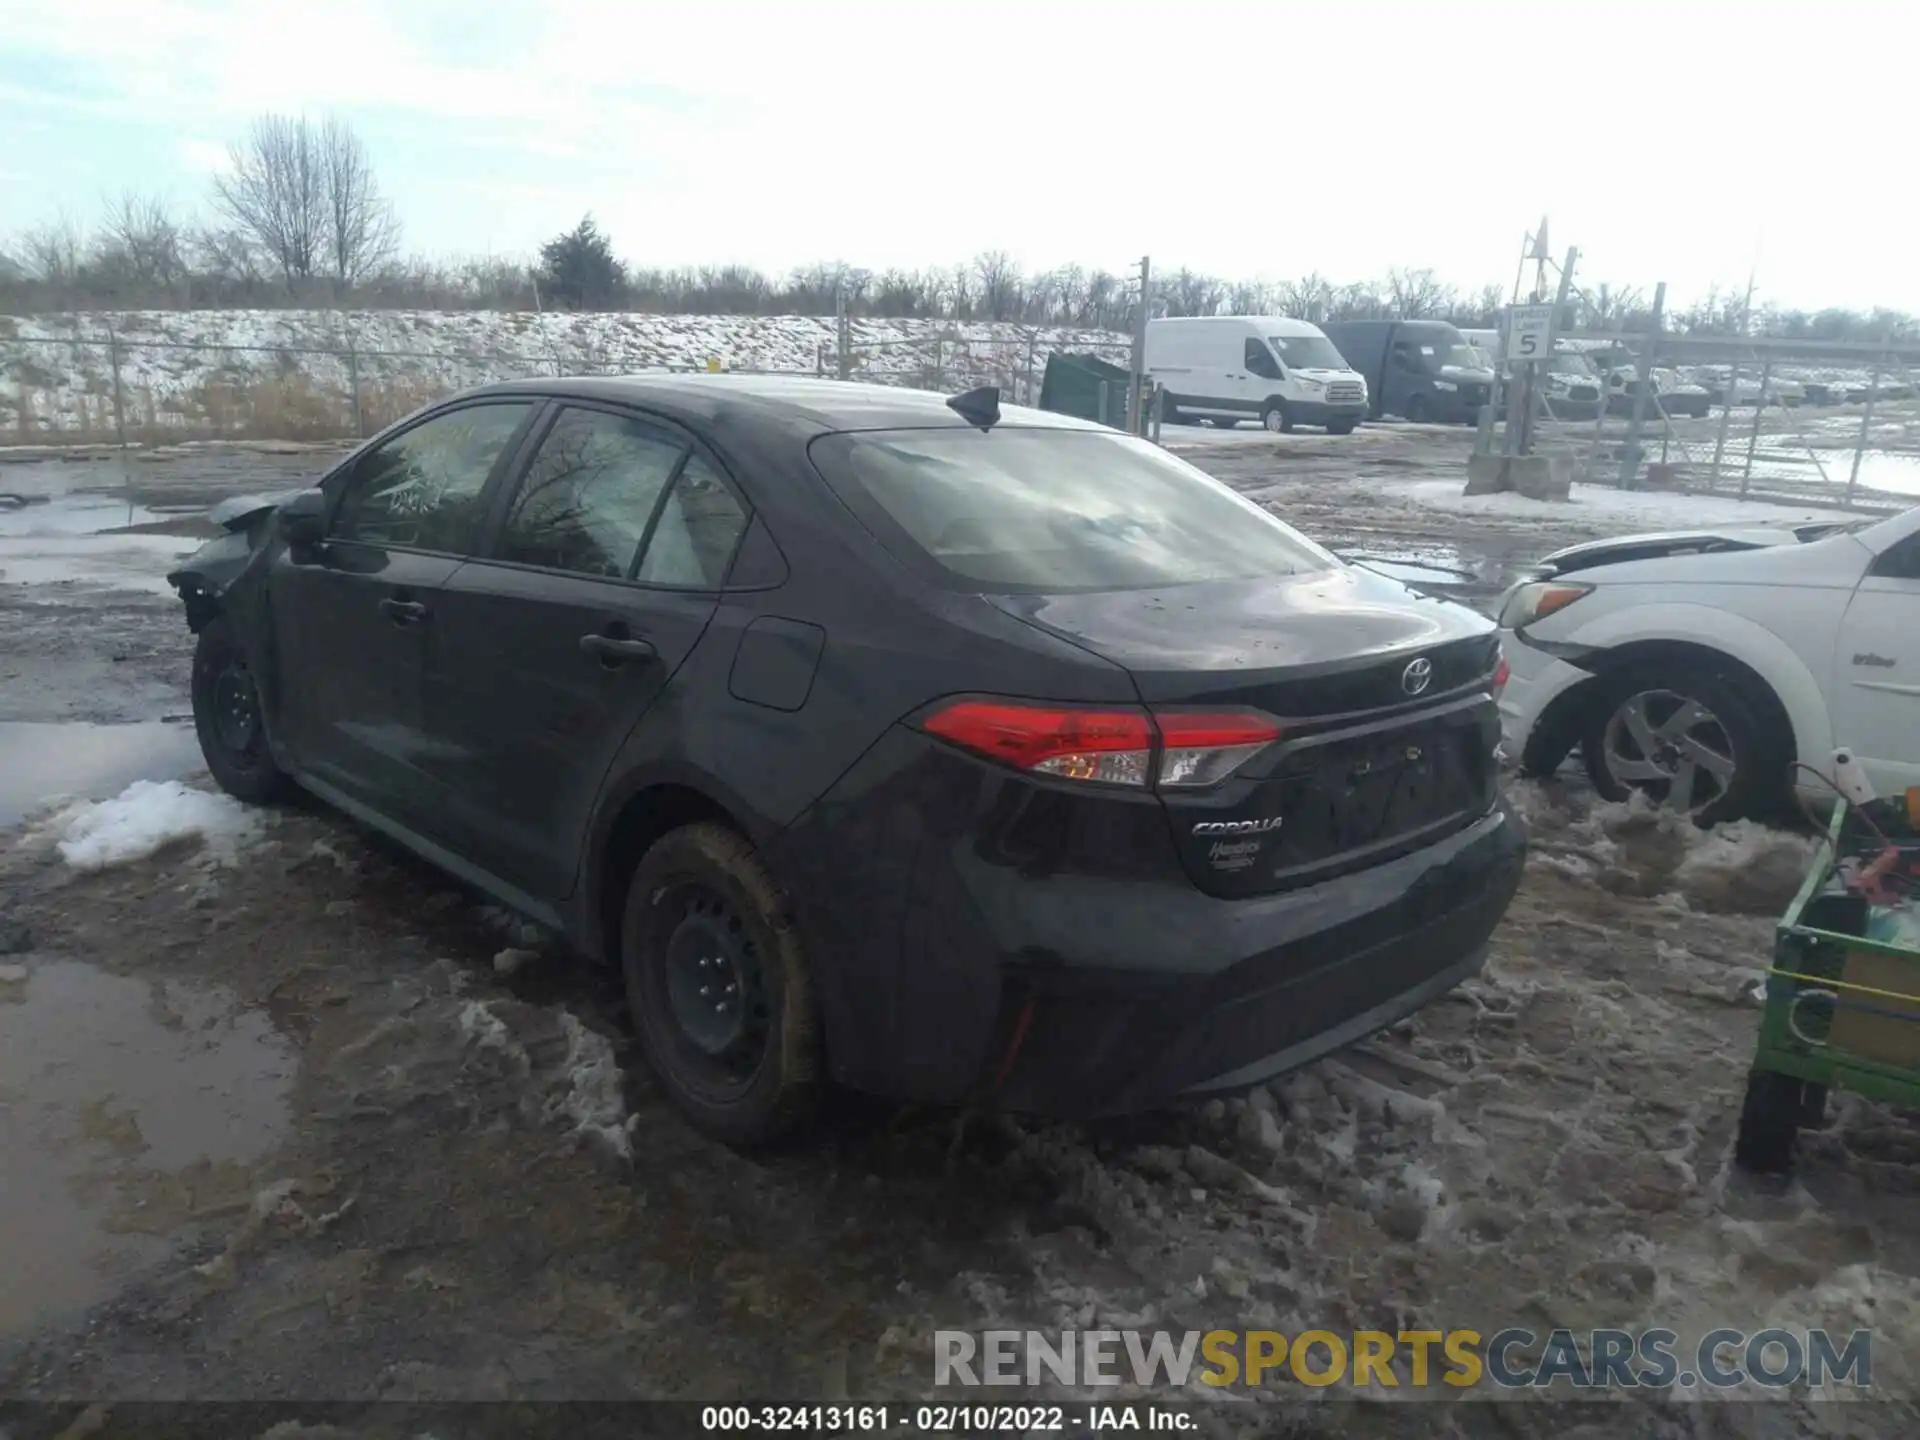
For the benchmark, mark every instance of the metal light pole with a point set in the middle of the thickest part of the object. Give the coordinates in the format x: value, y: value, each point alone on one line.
x: 1136, y: 380
x: 1643, y: 378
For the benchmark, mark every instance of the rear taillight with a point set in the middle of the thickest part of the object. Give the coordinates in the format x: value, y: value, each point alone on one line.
x: 1203, y: 749
x: 1108, y: 747
x: 1501, y: 672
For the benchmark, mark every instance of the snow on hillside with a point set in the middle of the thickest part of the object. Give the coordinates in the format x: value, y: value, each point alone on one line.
x: 292, y: 372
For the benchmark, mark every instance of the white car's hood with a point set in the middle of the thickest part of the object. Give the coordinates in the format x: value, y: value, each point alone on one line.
x: 1325, y: 376
x: 1679, y: 544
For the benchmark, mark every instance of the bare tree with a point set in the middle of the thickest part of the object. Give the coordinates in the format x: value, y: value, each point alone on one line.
x: 276, y: 191
x: 55, y: 252
x: 1308, y: 298
x: 1187, y: 293
x: 1417, y: 294
x: 140, y: 243
x: 1357, y: 300
x: 1249, y: 297
x: 1001, y: 286
x: 361, y: 232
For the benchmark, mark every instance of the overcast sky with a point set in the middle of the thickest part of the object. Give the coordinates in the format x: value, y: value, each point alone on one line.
x: 1682, y: 141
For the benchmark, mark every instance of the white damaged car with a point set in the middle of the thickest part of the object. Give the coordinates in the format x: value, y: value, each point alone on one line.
x: 1697, y: 666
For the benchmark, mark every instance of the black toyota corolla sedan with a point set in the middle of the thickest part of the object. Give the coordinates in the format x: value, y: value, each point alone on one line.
x: 940, y: 750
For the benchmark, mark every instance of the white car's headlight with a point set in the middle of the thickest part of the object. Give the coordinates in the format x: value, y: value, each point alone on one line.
x: 1306, y: 384
x: 1537, y: 600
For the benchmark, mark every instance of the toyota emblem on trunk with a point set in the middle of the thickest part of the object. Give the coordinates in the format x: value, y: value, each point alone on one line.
x: 1417, y: 676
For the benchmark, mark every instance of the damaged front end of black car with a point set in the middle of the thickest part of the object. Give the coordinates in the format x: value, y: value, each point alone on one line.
x: 223, y: 587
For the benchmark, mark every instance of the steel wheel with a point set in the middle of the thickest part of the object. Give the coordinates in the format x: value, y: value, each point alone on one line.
x: 1670, y: 746
x: 716, y: 990
x: 236, y: 710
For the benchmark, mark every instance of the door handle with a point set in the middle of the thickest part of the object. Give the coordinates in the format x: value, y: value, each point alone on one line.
x: 613, y: 650
x: 403, y: 612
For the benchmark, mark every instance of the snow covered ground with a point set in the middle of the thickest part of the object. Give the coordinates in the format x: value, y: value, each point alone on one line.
x: 147, y: 816
x: 289, y: 372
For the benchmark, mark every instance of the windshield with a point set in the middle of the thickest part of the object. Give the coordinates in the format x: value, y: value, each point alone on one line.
x: 1439, y: 351
x: 1482, y: 359
x: 1307, y: 352
x: 1015, y: 509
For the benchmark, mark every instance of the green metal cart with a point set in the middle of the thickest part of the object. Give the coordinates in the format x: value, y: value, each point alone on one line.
x: 1842, y: 1005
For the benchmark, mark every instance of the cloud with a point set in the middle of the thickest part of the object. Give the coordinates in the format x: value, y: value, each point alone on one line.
x: 201, y: 155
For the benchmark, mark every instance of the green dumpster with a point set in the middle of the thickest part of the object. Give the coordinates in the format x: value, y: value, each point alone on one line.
x: 1086, y: 386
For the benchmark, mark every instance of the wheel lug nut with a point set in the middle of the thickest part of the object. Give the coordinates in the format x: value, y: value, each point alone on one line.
x: 704, y: 989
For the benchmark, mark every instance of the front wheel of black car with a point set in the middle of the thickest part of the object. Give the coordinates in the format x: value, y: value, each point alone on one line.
x: 226, y: 716
x: 719, y: 987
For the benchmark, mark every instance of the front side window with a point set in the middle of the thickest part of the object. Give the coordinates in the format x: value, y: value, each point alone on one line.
x: 699, y: 527
x: 589, y: 493
x: 421, y: 490
x: 1261, y: 362
x: 1038, y: 510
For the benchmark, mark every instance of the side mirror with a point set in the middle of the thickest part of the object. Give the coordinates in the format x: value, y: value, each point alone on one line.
x: 302, y: 521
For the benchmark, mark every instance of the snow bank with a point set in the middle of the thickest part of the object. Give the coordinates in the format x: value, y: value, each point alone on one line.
x: 1602, y: 505
x: 192, y: 371
x: 1634, y: 847
x: 147, y: 815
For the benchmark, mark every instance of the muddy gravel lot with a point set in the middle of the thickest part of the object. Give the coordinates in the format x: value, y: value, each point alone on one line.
x: 284, y: 1114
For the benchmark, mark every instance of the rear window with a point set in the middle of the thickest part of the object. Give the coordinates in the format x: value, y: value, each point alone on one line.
x: 1018, y: 509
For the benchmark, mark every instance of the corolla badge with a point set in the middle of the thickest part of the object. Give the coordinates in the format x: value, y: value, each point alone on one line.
x: 1263, y: 826
x: 1417, y: 676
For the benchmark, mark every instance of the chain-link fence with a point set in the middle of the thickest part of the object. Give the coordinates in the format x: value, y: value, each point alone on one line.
x: 1761, y: 418
x: 150, y: 380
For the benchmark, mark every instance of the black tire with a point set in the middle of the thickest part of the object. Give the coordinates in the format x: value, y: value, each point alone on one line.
x: 1769, y: 1123
x: 226, y: 717
x: 1342, y: 427
x: 1222, y: 424
x: 1417, y: 408
x: 1277, y: 418
x: 756, y: 1075
x: 1748, y: 734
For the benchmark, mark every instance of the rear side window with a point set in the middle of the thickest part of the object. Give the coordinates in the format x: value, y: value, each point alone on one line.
x: 1018, y: 509
x: 699, y: 526
x: 589, y: 493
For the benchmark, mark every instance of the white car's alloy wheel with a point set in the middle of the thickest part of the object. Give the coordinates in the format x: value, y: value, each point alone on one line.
x: 1670, y: 746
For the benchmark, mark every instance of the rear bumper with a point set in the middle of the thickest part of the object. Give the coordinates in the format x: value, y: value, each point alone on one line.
x: 1295, y: 977
x: 975, y: 935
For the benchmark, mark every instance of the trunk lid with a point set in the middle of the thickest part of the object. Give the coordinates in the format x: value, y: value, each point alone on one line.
x: 1383, y: 696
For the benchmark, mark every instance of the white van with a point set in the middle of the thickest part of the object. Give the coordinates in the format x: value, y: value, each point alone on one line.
x: 1229, y: 368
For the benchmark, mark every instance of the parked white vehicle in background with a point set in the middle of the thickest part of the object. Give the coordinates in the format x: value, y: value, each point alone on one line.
x: 1698, y: 666
x: 1229, y: 368
x: 1677, y: 394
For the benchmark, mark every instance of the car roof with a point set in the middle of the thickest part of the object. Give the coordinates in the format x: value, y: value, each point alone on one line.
x: 803, y: 404
x: 1269, y: 324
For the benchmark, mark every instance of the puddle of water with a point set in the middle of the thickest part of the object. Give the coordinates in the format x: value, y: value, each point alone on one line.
x: 43, y: 762
x: 107, y: 562
x: 106, y: 1084
x: 79, y: 514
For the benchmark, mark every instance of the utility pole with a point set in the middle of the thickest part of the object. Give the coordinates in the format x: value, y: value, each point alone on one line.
x: 1520, y: 387
x: 1642, y: 381
x: 1136, y: 380
x: 1533, y: 370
